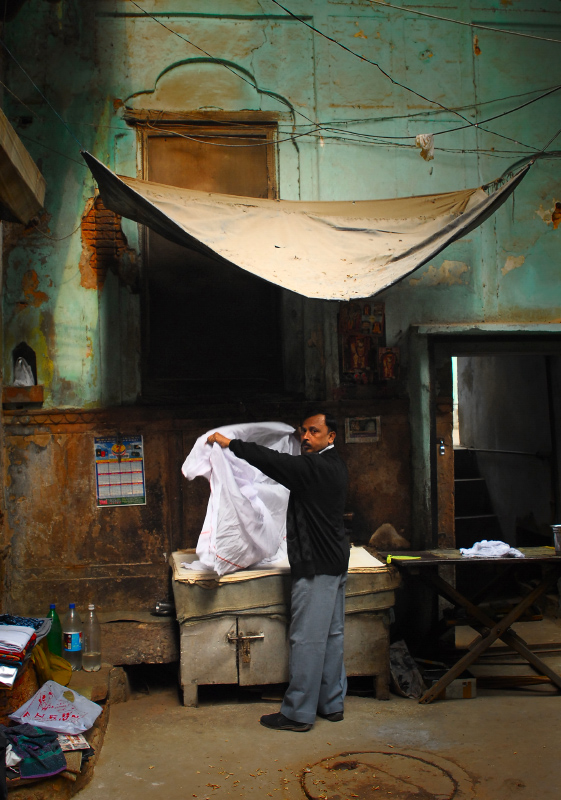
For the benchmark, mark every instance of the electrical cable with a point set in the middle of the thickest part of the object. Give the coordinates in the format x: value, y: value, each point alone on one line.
x: 349, y: 136
x: 488, y: 119
x: 368, y: 61
x: 204, y: 139
x: 182, y: 116
x: 223, y: 63
x: 7, y: 88
x: 326, y: 127
x: 369, y: 140
x: 477, y: 124
x: 293, y: 110
x: 396, y: 83
x: 553, y: 138
x: 53, y: 109
x: 461, y: 22
x: 59, y: 238
x: 46, y: 147
x: 360, y: 120
x: 317, y: 126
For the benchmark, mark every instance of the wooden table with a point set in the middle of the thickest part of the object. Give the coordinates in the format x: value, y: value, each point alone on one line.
x: 426, y: 562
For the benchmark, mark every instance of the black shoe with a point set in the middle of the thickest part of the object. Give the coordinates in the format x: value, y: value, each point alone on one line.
x: 337, y: 716
x: 278, y: 722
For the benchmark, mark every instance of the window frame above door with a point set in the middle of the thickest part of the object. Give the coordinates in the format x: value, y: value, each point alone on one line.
x: 247, y: 123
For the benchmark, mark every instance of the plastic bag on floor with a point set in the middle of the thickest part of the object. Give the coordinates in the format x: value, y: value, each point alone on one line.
x: 406, y: 678
x: 56, y: 708
x: 245, y: 523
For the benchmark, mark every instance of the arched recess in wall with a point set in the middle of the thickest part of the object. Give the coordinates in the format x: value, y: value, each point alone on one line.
x: 204, y: 83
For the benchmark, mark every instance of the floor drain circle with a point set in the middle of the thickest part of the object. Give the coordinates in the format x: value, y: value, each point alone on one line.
x: 394, y: 775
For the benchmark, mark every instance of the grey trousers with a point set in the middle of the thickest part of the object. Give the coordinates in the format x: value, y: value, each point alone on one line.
x: 317, y: 673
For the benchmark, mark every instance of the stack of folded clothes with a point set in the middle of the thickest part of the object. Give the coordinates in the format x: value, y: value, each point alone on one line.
x: 18, y: 637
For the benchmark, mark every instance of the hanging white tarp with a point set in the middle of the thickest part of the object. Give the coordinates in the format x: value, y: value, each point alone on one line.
x: 330, y: 250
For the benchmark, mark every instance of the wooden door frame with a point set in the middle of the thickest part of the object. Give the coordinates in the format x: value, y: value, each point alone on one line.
x: 425, y: 342
x: 159, y: 123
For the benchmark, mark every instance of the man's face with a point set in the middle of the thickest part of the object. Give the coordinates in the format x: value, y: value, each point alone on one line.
x: 315, y: 435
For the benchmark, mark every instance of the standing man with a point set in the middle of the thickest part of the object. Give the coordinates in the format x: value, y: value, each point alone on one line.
x: 318, y: 552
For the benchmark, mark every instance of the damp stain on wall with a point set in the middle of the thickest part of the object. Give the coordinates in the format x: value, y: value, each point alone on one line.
x: 32, y: 295
x: 513, y: 262
x: 447, y: 274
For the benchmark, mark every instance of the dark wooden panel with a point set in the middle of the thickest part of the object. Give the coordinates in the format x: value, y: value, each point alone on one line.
x: 209, y: 328
x: 65, y: 549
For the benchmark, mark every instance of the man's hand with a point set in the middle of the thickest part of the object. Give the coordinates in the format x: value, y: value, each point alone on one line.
x: 217, y: 438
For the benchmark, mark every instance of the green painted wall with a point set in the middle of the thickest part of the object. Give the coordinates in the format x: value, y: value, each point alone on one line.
x: 94, y: 59
x: 91, y: 59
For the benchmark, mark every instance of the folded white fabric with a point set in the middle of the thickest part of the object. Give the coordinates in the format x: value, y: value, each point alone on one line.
x: 491, y: 549
x: 14, y: 638
x: 245, y: 523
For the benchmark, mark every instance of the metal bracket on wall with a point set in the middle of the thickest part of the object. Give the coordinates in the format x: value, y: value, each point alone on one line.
x: 243, y: 643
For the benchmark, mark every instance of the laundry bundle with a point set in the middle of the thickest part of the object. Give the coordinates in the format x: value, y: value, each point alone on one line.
x: 32, y: 752
x: 245, y: 523
x: 491, y: 549
x: 18, y: 637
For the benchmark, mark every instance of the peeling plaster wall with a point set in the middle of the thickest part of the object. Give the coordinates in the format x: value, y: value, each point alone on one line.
x: 96, y: 58
x: 83, y: 320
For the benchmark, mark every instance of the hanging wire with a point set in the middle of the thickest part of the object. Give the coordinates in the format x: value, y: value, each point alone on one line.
x: 46, y: 147
x: 326, y: 130
x: 484, y: 121
x: 198, y: 117
x: 362, y: 58
x: 553, y: 138
x: 223, y: 63
x: 7, y: 88
x: 53, y: 109
x: 461, y: 22
x: 397, y: 83
x: 368, y: 61
x: 524, y: 161
x: 204, y: 138
x: 359, y: 120
x: 59, y: 238
x: 357, y: 140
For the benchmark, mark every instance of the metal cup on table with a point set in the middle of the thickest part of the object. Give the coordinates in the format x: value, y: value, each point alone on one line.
x: 557, y: 538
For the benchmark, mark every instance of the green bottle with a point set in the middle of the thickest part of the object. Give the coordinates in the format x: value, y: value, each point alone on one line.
x: 54, y: 636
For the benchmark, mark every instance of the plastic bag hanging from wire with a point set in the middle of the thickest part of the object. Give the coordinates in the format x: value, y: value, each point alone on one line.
x: 23, y: 374
x: 426, y: 142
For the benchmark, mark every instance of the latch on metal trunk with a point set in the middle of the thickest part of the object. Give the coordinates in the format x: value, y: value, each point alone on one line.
x: 243, y: 643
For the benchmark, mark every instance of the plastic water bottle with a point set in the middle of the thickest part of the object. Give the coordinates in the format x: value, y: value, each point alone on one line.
x: 54, y: 636
x: 72, y: 637
x: 91, y: 657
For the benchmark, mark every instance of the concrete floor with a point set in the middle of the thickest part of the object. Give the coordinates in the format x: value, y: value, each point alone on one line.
x: 498, y: 746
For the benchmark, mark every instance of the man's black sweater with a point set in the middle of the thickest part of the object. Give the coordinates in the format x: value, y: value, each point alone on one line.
x: 315, y: 534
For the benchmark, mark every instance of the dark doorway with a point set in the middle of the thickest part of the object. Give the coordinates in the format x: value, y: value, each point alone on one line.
x: 210, y: 330
x: 507, y: 418
x: 498, y: 477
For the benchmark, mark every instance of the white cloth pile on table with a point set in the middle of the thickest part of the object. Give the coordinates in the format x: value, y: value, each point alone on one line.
x: 491, y: 549
x: 245, y: 523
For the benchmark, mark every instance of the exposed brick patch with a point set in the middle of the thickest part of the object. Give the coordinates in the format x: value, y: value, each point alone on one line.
x: 103, y: 244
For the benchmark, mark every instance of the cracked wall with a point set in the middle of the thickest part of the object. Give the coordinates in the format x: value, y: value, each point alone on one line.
x: 72, y: 284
